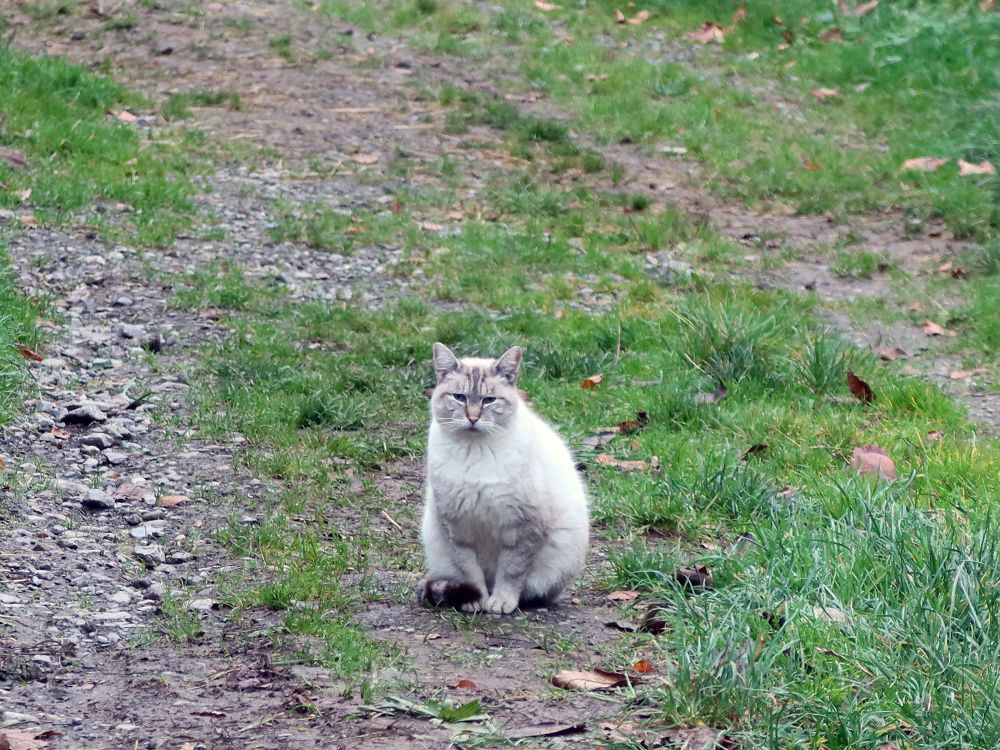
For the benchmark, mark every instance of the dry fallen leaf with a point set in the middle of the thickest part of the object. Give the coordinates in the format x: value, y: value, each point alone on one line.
x: 924, y: 164
x: 641, y: 17
x: 830, y: 614
x: 832, y: 35
x: 465, y: 685
x: 619, y: 16
x: 753, y: 450
x: 28, y: 220
x: 891, y: 354
x: 932, y: 329
x: 643, y: 666
x: 963, y: 374
x: 542, y: 5
x: 697, y: 738
x: 608, y: 460
x: 30, y: 354
x: 13, y: 158
x: 3, y: 464
x: 933, y: 435
x: 698, y: 577
x: 740, y: 14
x: 862, y: 10
x: 966, y: 168
x: 16, y: 739
x: 709, y: 33
x: 871, y: 459
x: 596, y: 680
x: 860, y: 388
x: 616, y: 732
x: 710, y: 398
x: 985, y: 6
x: 366, y: 158
x: 169, y: 501
x: 653, y: 620
x: 545, y: 729
x: 822, y: 93
x: 623, y: 596
x: 592, y: 382
x: 123, y: 115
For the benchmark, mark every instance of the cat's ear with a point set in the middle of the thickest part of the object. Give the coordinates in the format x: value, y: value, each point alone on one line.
x: 445, y: 361
x: 508, y: 364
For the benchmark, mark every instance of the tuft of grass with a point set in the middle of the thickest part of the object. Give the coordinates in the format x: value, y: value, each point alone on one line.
x: 16, y: 329
x: 178, y: 106
x: 56, y: 114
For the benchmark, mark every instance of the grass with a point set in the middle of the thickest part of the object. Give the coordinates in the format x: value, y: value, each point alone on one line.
x: 56, y: 115
x: 16, y: 329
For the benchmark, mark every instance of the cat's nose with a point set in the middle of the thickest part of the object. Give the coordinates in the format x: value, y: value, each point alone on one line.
x: 473, y: 414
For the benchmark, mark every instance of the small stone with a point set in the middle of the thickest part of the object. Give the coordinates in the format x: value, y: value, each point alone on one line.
x: 97, y: 440
x: 120, y: 597
x: 150, y: 554
x: 69, y: 487
x: 179, y: 556
x: 129, y: 492
x: 9, y: 599
x: 155, y: 591
x: 85, y: 415
x: 78, y: 36
x: 130, y: 331
x: 201, y: 605
x: 147, y: 530
x: 115, y: 457
x: 98, y: 500
x: 123, y: 301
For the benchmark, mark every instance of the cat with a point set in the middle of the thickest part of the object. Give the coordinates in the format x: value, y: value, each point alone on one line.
x: 505, y: 521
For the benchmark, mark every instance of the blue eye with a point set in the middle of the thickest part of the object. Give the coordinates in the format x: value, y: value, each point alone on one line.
x: 489, y: 399
x: 459, y: 397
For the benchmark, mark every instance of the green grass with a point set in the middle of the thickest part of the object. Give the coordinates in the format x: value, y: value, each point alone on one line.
x: 56, y: 115
x: 178, y: 106
x: 16, y: 329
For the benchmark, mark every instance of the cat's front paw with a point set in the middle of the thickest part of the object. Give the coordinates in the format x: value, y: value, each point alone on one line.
x: 477, y: 606
x: 499, y: 604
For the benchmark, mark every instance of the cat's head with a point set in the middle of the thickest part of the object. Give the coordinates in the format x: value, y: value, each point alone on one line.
x: 477, y: 397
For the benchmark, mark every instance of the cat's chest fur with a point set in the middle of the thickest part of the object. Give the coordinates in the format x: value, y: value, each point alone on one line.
x: 481, y: 485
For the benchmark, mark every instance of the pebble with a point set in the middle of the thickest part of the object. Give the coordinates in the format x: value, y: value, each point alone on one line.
x: 130, y: 331
x: 147, y: 530
x: 201, y: 605
x: 97, y: 440
x: 115, y: 457
x: 84, y: 415
x: 150, y: 554
x: 98, y: 500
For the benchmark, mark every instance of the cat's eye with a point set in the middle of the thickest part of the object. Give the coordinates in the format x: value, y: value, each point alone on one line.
x: 459, y: 397
x: 488, y: 400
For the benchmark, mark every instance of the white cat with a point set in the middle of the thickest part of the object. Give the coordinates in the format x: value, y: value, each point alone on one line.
x: 505, y: 520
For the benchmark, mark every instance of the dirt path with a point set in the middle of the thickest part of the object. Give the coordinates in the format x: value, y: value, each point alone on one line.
x: 95, y: 560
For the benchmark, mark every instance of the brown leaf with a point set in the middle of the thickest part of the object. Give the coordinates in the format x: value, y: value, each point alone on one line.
x: 891, y: 354
x: 169, y: 501
x: 932, y: 329
x: 740, y: 14
x: 60, y: 434
x: 810, y: 166
x: 933, y: 435
x: 599, y: 439
x: 465, y: 685
x: 710, y: 398
x: 617, y: 732
x: 653, y: 620
x: 366, y: 158
x: 873, y: 460
x: 923, y: 164
x: 544, y: 6
x: 698, y: 577
x: 753, y: 450
x: 545, y: 729
x: 606, y: 460
x: 985, y: 6
x: 123, y: 115
x: 592, y: 382
x: 697, y: 738
x: 641, y: 17
x: 822, y: 93
x: 709, y: 33
x: 16, y: 739
x: 644, y: 666
x: 861, y: 10
x: 3, y: 464
x: 623, y: 596
x: 30, y: 354
x: 832, y: 35
x: 13, y: 158
x: 598, y: 679
x: 959, y: 273
x: 29, y: 220
x: 619, y: 16
x: 967, y: 168
x: 862, y: 391
x: 963, y: 374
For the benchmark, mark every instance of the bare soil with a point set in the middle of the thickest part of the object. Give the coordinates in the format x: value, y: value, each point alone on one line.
x: 234, y: 687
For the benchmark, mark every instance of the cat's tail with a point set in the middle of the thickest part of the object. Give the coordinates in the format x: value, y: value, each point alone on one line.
x: 444, y: 592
